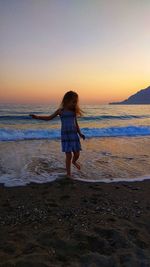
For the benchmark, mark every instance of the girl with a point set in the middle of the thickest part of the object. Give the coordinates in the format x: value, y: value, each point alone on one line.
x: 68, y: 112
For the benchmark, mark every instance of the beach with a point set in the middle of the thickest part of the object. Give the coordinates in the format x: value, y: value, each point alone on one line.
x: 74, y: 133
x: 73, y: 223
x: 100, y: 217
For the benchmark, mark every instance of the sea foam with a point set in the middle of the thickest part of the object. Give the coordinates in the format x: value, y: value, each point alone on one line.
x: 7, y: 134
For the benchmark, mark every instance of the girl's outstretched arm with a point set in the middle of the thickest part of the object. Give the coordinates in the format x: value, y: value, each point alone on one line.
x: 78, y: 129
x: 46, y: 118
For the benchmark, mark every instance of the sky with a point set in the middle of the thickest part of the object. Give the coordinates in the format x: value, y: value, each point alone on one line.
x: 98, y: 48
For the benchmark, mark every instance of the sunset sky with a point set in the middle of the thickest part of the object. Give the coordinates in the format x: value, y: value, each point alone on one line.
x: 99, y: 48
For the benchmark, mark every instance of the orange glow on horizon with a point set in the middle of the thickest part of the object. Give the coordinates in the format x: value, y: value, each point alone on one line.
x: 54, y: 94
x: 94, y: 87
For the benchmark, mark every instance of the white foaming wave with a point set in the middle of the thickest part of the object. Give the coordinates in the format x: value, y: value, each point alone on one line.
x: 11, y: 181
x: 19, y: 134
x: 114, y: 180
x: 117, y: 131
x: 7, y: 134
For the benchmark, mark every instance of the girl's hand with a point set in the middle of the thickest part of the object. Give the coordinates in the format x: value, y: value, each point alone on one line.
x: 82, y: 136
x: 33, y: 116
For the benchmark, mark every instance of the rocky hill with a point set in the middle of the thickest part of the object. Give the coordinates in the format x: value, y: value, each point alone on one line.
x: 141, y: 97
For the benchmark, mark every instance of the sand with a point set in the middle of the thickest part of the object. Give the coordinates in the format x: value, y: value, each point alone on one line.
x: 74, y: 223
x: 102, y: 159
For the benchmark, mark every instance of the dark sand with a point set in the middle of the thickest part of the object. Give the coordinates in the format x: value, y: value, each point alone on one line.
x: 73, y: 223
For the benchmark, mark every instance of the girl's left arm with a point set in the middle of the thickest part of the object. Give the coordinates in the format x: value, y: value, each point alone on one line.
x: 78, y: 129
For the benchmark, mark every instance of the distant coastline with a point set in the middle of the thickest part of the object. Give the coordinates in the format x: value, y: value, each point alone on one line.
x: 142, y: 97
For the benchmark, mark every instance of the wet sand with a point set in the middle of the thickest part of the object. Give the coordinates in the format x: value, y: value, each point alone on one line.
x: 73, y: 223
x: 102, y: 159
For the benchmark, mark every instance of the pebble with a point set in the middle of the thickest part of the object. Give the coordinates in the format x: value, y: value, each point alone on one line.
x: 136, y: 188
x: 35, y: 209
x: 108, y: 209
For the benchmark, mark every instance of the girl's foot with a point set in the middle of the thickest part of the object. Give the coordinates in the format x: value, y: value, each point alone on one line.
x: 77, y: 165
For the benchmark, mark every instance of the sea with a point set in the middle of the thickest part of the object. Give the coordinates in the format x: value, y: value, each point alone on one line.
x: 116, y: 148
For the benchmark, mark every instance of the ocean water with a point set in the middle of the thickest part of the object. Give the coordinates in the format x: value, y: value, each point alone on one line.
x: 98, y: 121
x: 117, y: 145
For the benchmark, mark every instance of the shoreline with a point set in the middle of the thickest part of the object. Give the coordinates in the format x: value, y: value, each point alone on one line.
x: 103, y: 181
x: 73, y: 223
x: 102, y: 160
x: 116, y: 180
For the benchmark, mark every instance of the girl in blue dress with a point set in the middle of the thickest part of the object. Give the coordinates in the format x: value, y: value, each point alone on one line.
x: 70, y: 131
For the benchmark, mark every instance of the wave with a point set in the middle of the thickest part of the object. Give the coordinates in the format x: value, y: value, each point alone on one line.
x: 84, y: 118
x: 115, y: 117
x: 29, y: 134
x: 17, y: 117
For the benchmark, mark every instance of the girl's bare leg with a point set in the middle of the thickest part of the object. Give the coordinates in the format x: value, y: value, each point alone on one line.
x: 68, y: 163
x: 75, y: 158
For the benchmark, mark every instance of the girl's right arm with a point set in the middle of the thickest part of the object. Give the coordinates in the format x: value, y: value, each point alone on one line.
x: 46, y: 118
x: 78, y: 129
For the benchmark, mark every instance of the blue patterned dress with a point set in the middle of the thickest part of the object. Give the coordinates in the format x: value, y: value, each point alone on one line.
x: 69, y: 137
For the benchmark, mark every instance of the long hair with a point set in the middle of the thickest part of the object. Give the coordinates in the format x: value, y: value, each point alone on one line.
x: 68, y: 97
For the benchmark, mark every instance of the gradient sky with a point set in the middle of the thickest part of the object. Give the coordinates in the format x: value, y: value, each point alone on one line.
x: 99, y: 48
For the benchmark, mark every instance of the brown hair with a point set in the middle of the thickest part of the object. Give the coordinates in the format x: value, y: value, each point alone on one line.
x: 69, y: 96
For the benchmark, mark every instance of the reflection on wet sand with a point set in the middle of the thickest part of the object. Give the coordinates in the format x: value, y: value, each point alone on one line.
x: 102, y: 159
